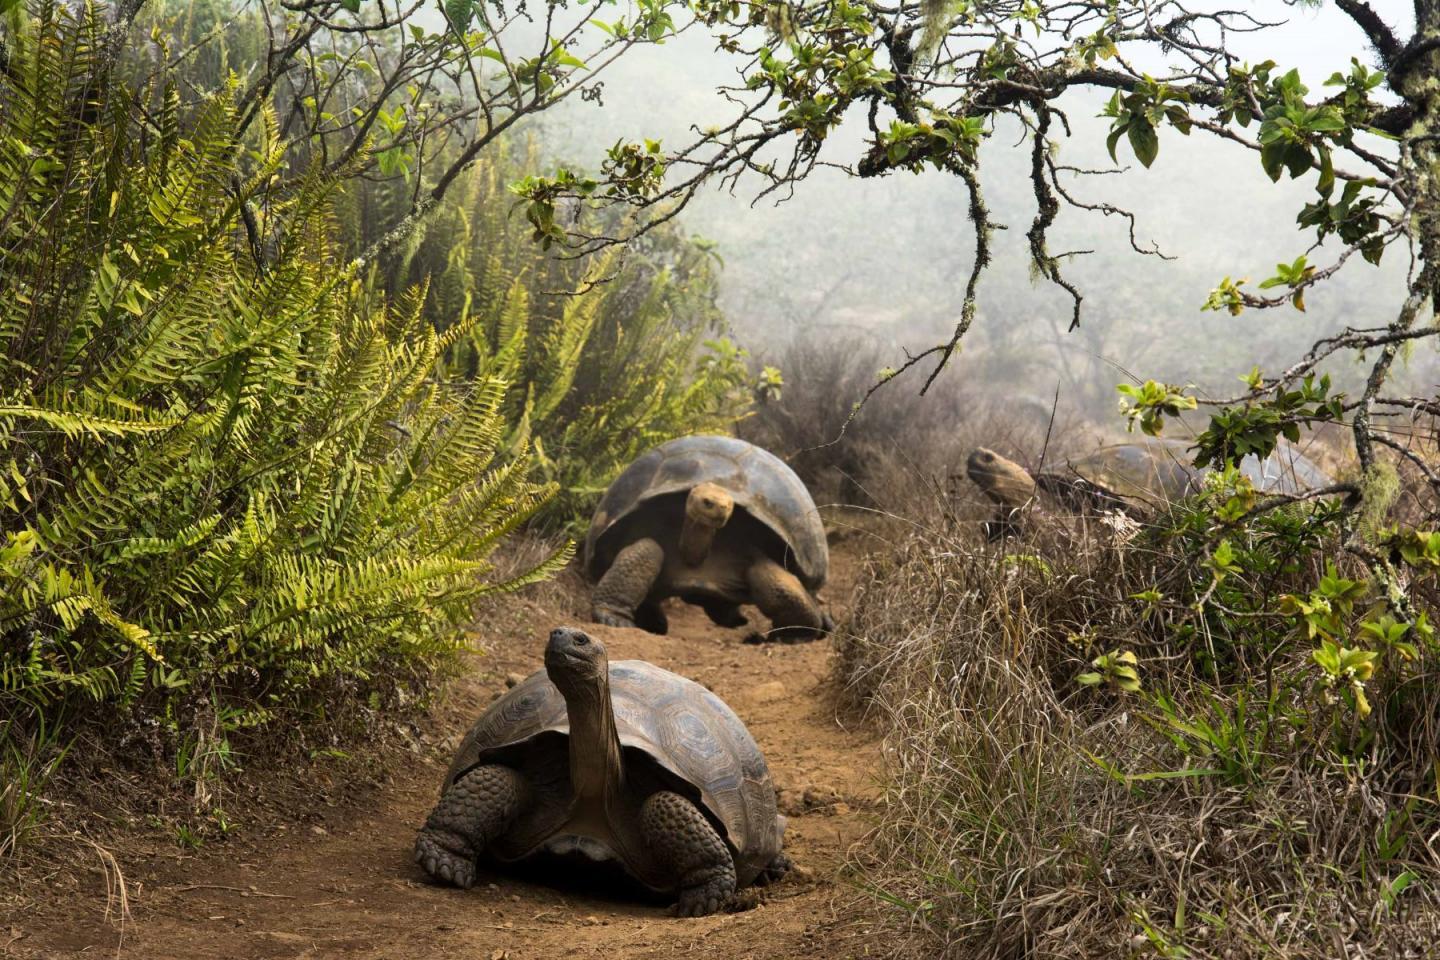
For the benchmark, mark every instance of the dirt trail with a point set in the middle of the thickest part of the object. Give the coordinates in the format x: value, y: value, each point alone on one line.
x: 340, y: 883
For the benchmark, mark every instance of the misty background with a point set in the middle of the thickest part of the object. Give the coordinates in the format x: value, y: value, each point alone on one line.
x: 884, y: 261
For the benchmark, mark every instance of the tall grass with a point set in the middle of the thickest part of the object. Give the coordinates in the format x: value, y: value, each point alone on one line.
x: 898, y: 447
x: 28, y: 761
x: 1219, y: 801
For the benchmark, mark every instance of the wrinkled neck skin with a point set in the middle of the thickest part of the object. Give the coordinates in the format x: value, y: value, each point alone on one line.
x: 596, y: 772
x: 696, y: 538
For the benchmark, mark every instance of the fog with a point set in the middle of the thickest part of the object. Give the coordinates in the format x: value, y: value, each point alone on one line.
x: 886, y: 259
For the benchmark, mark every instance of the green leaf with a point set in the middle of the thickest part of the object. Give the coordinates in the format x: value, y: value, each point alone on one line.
x: 1144, y: 141
x: 458, y: 13
x: 1112, y: 140
x: 1272, y: 159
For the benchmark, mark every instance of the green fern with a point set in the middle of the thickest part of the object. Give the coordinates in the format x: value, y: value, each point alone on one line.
x: 219, y: 478
x: 605, y: 357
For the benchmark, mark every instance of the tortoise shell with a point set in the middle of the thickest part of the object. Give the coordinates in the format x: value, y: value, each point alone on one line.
x: 759, y: 481
x: 677, y: 723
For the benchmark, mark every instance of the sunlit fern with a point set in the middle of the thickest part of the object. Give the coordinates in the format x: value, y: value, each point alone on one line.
x: 227, y: 469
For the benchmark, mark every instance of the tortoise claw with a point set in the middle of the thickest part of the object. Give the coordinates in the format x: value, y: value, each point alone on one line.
x: 610, y: 618
x: 442, y: 863
x: 697, y: 903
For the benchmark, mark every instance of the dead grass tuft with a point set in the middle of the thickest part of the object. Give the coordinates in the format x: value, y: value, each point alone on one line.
x: 1226, y: 809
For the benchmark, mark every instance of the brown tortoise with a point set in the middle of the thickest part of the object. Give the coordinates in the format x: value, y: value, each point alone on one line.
x: 615, y: 761
x: 1136, y: 478
x: 717, y: 522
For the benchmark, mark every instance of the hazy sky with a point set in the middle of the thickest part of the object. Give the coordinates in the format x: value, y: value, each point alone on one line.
x: 889, y: 256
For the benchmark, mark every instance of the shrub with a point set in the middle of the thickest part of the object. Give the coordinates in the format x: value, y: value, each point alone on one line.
x: 229, y: 477
x: 890, y: 454
x: 606, y: 355
x: 1189, y: 739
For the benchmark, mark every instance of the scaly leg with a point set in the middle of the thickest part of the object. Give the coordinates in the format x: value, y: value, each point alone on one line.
x: 685, y: 842
x: 627, y: 583
x: 475, y: 809
x: 783, y: 598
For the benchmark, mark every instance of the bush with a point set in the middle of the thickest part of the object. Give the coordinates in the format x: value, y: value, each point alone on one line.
x: 1188, y: 739
x: 892, y: 454
x: 606, y: 355
x: 231, y: 482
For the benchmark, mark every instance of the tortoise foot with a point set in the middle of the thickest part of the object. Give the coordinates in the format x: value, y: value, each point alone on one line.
x: 703, y: 901
x: 612, y: 618
x: 725, y: 614
x: 651, y: 618
x: 445, y: 856
x: 775, y: 870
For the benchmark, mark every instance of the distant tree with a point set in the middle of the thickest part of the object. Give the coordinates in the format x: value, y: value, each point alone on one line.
x: 930, y: 78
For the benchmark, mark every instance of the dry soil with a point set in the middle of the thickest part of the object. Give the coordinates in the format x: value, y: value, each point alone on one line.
x: 336, y: 879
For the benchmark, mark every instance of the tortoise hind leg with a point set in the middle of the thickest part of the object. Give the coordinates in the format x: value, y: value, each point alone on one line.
x: 781, y: 596
x: 623, y: 589
x: 650, y: 617
x: 723, y: 613
x: 690, y: 848
x: 477, y: 808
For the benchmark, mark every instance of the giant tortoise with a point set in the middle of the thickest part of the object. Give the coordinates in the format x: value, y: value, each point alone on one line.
x: 717, y: 522
x: 1134, y: 478
x: 616, y: 761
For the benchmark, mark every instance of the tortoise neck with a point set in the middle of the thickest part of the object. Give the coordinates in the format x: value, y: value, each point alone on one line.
x: 596, y: 771
x: 696, y: 538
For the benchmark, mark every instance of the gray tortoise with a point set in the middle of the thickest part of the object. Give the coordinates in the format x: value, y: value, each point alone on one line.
x: 1133, y: 478
x: 717, y: 522
x: 615, y: 761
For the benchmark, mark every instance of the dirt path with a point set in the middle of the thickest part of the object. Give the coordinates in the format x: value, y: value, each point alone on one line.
x: 340, y: 883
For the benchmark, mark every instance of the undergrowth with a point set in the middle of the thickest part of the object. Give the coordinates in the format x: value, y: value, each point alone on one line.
x: 1195, y: 738
x: 896, y: 449
x: 235, y: 496
x: 605, y: 355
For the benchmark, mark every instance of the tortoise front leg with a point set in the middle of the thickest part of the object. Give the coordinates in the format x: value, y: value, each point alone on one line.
x: 690, y: 849
x: 475, y: 810
x: 783, y: 598
x: 627, y: 583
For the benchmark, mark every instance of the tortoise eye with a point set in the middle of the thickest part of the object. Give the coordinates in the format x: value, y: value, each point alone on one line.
x: 581, y: 640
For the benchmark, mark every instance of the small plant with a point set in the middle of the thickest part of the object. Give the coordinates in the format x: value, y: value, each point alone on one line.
x: 188, y: 838
x: 28, y: 761
x: 1117, y: 669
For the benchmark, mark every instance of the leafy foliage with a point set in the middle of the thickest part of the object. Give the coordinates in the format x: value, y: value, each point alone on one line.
x: 605, y: 356
x: 230, y: 475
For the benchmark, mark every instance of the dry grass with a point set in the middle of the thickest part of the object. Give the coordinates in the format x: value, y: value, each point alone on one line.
x: 1029, y: 816
x: 900, y: 448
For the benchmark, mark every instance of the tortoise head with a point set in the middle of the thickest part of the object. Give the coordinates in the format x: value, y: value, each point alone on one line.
x: 709, y: 505
x: 577, y: 665
x: 1002, y: 480
x: 575, y: 661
